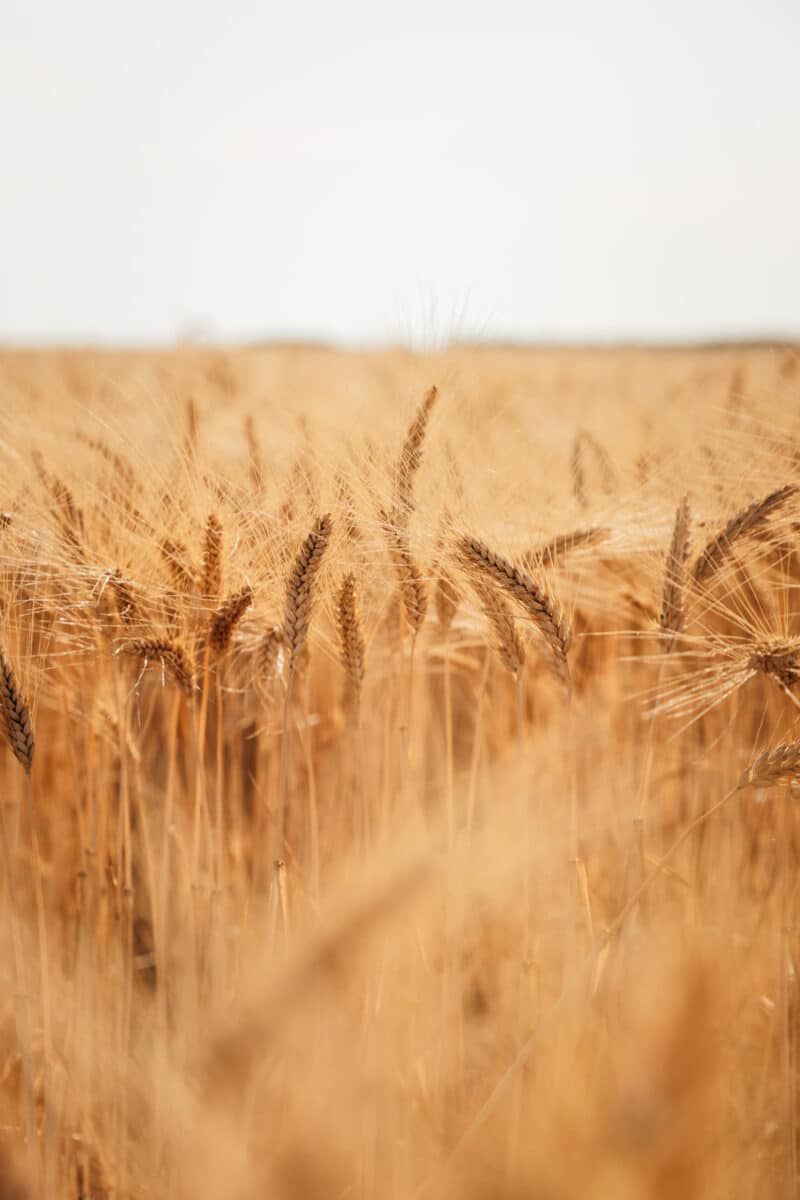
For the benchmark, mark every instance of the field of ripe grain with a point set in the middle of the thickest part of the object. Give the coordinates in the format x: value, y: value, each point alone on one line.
x: 400, y: 776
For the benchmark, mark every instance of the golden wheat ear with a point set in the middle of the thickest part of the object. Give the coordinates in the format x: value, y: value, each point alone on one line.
x: 478, y: 557
x: 16, y: 715
x: 749, y: 520
x: 411, y: 456
x: 673, y: 612
x: 300, y: 592
x: 351, y: 638
x: 171, y: 655
x: 780, y: 765
x: 212, y: 558
x: 225, y: 619
x: 498, y: 613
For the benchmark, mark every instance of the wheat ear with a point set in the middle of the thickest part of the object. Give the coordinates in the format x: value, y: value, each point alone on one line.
x: 172, y: 656
x: 780, y: 765
x: 673, y: 611
x: 225, y: 619
x: 267, y: 651
x: 16, y: 715
x: 551, y: 552
x: 745, y: 522
x: 176, y: 556
x: 351, y: 638
x: 411, y: 455
x: 212, y: 557
x: 529, y: 595
x: 509, y: 644
x: 301, y: 587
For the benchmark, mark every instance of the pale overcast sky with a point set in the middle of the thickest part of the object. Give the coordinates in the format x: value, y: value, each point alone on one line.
x: 357, y: 171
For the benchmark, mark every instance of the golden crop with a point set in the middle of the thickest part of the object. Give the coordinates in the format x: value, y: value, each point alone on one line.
x: 400, y: 787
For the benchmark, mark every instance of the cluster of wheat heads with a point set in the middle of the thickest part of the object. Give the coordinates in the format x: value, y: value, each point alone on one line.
x: 399, y: 787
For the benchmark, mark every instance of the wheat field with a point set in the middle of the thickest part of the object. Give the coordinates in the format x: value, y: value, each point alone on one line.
x: 399, y: 774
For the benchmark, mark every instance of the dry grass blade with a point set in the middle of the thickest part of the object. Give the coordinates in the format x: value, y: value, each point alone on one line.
x: 16, y: 714
x: 745, y: 522
x: 529, y: 595
x: 673, y: 613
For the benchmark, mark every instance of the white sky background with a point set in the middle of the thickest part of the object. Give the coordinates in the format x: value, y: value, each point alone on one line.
x: 408, y: 172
